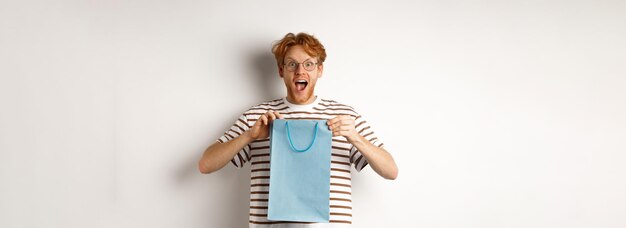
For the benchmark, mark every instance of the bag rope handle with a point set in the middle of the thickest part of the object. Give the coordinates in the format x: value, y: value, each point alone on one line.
x: 291, y: 141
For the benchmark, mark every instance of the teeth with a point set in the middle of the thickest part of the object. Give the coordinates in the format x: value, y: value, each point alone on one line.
x: 301, y: 80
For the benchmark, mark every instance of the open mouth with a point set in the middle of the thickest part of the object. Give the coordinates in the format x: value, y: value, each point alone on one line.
x: 301, y: 84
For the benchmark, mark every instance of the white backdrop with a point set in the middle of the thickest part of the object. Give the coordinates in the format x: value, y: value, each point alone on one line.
x: 498, y: 113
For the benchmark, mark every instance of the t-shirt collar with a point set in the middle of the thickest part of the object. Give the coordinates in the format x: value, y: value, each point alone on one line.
x: 298, y: 107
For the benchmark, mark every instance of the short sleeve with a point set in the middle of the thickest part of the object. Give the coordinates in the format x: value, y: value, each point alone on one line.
x: 238, y: 128
x: 365, y: 130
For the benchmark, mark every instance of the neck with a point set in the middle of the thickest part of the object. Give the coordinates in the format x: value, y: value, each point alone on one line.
x: 307, y: 101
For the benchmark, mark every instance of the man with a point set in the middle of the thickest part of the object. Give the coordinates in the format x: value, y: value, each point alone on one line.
x: 300, y: 61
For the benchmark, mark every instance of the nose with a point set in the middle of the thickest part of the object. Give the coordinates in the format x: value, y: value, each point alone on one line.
x: 300, y: 69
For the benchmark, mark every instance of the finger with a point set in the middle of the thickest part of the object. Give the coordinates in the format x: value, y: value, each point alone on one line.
x: 338, y: 123
x: 333, y: 120
x: 343, y: 118
x: 340, y: 129
x: 280, y: 116
x: 334, y: 126
x: 264, y: 119
x: 259, y: 122
x: 344, y: 128
x: 271, y: 115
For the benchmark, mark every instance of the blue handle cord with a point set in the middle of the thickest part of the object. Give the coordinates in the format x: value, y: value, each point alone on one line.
x: 291, y: 141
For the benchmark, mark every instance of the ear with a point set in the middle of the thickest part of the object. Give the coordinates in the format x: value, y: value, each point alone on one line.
x: 320, y: 70
x: 280, y: 71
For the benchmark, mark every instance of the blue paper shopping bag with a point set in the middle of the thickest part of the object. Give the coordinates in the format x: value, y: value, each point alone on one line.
x: 300, y: 153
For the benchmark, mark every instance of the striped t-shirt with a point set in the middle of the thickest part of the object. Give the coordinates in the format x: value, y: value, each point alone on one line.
x: 343, y: 156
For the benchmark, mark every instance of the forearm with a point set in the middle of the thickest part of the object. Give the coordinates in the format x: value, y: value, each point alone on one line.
x: 378, y: 158
x: 219, y: 154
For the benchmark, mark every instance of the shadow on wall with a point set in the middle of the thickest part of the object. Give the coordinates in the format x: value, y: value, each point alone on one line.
x: 227, y: 191
x: 223, y: 195
x: 266, y: 76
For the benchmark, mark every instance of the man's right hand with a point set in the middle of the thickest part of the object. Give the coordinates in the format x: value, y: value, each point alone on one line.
x: 219, y: 154
x: 261, y: 128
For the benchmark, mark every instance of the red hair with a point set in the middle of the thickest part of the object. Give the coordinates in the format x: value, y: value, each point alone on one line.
x: 311, y: 46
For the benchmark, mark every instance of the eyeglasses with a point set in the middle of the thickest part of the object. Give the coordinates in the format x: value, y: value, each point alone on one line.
x: 293, y: 65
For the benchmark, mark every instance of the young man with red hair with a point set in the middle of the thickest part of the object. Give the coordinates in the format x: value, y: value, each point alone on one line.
x: 300, y: 61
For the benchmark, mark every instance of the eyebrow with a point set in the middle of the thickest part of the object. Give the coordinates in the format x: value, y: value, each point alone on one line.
x: 289, y: 58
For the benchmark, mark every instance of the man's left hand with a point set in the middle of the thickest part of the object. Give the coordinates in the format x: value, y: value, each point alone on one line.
x: 343, y: 126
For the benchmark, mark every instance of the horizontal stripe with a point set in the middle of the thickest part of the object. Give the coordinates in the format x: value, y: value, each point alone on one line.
x: 340, y: 221
x: 365, y: 128
x: 260, y: 192
x: 278, y: 222
x: 334, y: 109
x: 338, y: 177
x: 243, y: 122
x: 275, y: 108
x: 340, y: 214
x: 368, y: 134
x: 260, y: 155
x: 341, y: 199
x: 290, y: 222
x: 237, y: 129
x: 340, y: 170
x: 353, y: 155
x: 339, y: 206
x: 295, y: 118
x: 241, y: 160
x: 260, y: 177
x: 246, y: 150
x: 228, y: 136
x: 334, y: 114
x: 340, y: 148
x: 333, y: 105
x: 359, y: 124
x: 340, y: 155
x: 261, y: 185
x: 260, y: 170
x: 260, y: 147
x: 357, y: 160
x: 268, y: 177
x: 274, y: 103
x: 340, y: 141
x: 260, y: 162
x: 342, y: 185
x: 341, y: 192
x: 341, y: 163
x: 363, y: 166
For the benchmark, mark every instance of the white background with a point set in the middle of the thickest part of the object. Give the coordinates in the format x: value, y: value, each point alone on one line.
x: 498, y: 113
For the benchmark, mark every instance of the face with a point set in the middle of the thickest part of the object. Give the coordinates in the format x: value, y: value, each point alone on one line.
x: 300, y: 83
